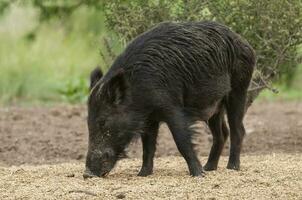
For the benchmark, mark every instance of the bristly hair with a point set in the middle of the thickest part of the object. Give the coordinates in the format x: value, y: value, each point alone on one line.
x: 133, y: 132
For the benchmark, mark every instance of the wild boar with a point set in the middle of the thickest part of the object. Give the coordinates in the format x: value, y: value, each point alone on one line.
x: 175, y: 73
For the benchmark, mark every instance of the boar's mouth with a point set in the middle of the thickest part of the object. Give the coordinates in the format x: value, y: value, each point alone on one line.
x: 105, y: 174
x: 89, y: 174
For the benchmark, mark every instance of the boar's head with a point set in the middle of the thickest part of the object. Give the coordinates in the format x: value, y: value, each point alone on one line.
x: 109, y: 122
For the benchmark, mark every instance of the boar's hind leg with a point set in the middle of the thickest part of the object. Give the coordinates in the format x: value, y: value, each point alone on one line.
x: 179, y: 125
x: 235, y: 112
x: 149, y: 146
x: 220, y: 134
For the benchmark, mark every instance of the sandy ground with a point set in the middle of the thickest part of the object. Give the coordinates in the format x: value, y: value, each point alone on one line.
x: 276, y: 176
x: 42, y: 152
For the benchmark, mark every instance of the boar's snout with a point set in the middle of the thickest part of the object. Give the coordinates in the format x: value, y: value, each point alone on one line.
x: 88, y: 174
x: 99, y: 164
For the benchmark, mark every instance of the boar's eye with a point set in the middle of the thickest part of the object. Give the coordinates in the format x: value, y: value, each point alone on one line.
x: 107, y: 155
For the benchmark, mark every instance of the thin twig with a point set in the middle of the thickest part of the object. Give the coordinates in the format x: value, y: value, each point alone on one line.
x: 257, y: 88
x: 109, y: 49
x: 268, y: 86
x: 83, y: 191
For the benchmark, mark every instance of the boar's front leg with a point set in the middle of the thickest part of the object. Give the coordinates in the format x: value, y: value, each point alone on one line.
x: 179, y: 124
x: 149, y: 146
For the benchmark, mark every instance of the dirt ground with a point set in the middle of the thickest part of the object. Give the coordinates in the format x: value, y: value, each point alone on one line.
x: 42, y: 152
x: 56, y: 134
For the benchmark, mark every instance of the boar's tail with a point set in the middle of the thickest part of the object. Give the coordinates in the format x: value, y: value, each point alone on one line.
x: 244, y: 65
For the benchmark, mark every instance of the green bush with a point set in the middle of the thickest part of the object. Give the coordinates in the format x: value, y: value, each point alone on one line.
x: 273, y: 27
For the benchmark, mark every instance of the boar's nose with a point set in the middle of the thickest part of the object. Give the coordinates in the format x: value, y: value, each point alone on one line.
x: 88, y: 174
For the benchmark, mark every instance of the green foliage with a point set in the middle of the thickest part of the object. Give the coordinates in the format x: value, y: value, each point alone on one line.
x: 4, y: 4
x: 130, y: 18
x: 274, y: 28
x: 54, y: 62
x: 74, y: 90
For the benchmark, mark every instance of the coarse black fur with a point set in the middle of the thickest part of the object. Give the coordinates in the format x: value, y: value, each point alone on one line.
x: 175, y: 73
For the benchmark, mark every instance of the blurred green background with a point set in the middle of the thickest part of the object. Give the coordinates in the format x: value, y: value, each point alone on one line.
x: 48, y: 48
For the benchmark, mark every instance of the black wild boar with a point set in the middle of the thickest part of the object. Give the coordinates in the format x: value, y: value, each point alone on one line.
x: 176, y: 73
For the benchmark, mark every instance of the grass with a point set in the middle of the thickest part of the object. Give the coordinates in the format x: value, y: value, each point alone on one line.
x: 38, y: 70
x: 53, y: 63
x: 287, y: 94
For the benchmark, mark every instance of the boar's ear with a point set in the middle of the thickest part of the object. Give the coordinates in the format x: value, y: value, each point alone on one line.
x: 95, y: 76
x: 115, y: 89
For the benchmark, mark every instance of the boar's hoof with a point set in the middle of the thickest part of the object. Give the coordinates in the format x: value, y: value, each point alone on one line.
x: 200, y: 174
x: 210, y: 167
x: 196, y: 170
x: 233, y: 166
x: 196, y: 173
x: 145, y: 172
